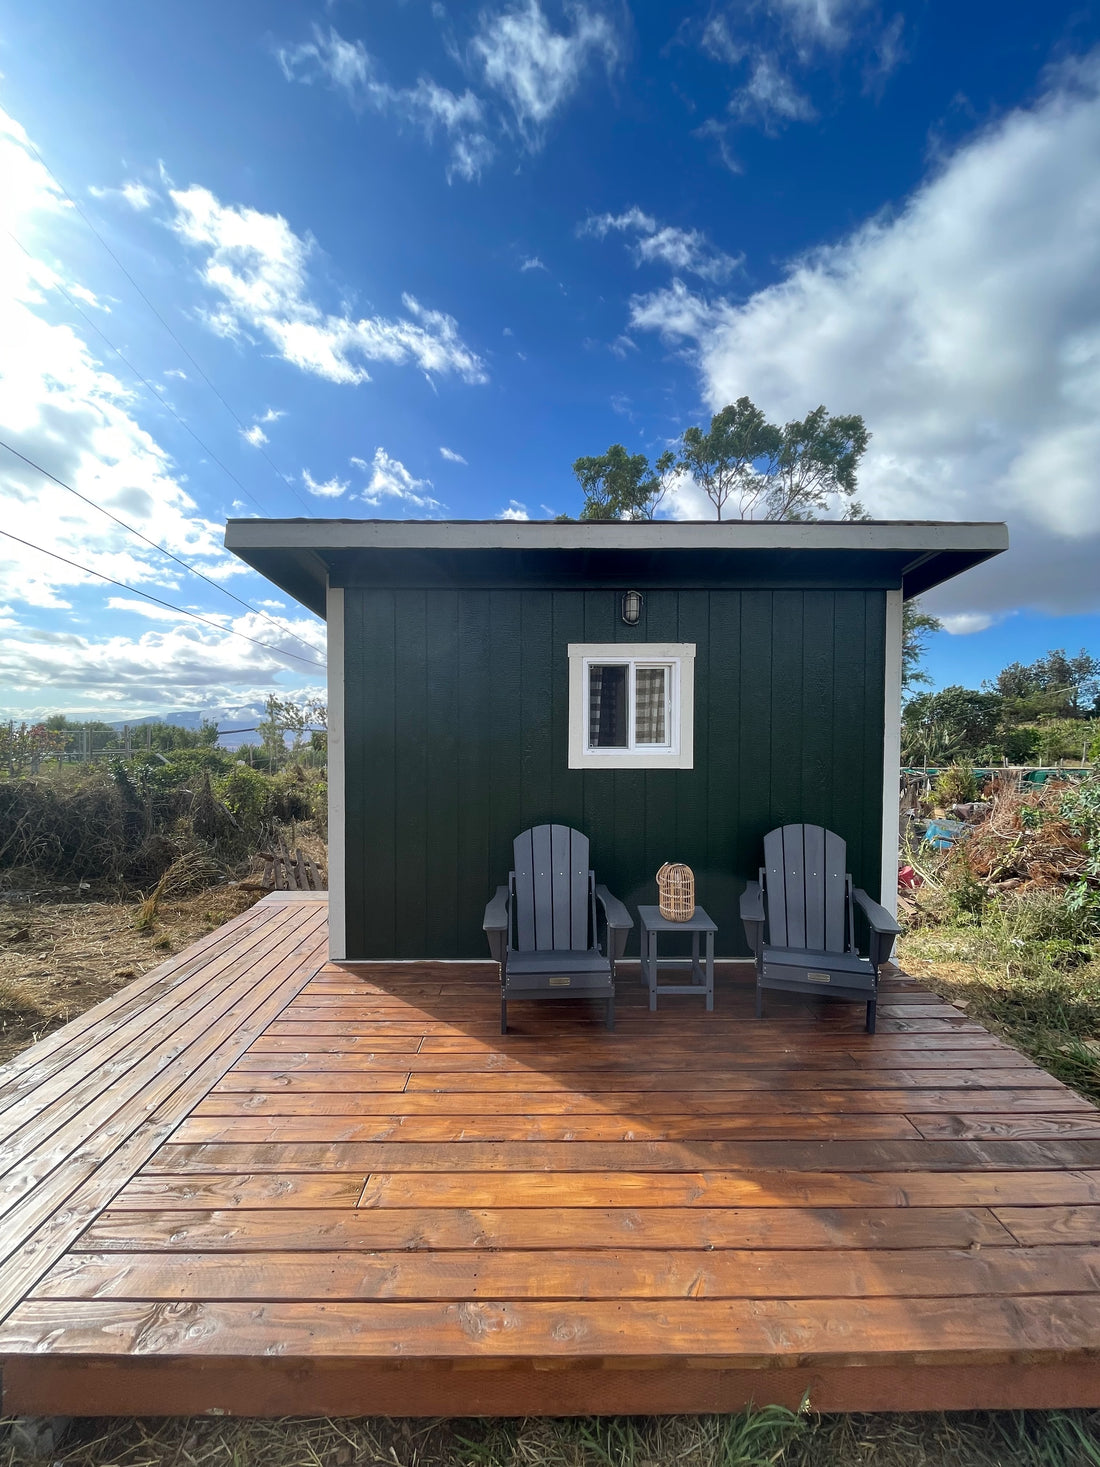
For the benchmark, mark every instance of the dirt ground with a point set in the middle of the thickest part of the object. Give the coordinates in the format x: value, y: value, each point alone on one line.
x: 62, y: 952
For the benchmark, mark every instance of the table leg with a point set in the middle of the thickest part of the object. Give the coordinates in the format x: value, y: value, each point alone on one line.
x: 696, y: 970
x: 710, y: 972
x: 652, y: 965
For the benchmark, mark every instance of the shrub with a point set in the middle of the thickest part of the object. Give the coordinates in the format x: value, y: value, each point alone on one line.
x: 246, y: 793
x: 957, y: 785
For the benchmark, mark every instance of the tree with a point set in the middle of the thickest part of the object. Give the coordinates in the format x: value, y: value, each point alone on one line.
x: 285, y: 716
x: 916, y: 627
x: 622, y: 486
x: 723, y: 460
x: 743, y: 463
x: 20, y: 746
x: 956, y: 723
x: 1052, y: 685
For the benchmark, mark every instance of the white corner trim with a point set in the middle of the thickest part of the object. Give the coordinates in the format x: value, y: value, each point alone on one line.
x: 683, y: 654
x: 891, y: 753
x: 337, y: 833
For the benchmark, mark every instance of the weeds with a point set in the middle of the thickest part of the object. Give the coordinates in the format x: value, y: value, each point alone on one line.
x: 771, y: 1437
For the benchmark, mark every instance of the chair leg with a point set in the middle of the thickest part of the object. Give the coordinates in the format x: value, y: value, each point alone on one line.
x: 611, y: 1012
x: 504, y: 1016
x: 759, y: 1001
x: 871, y: 1007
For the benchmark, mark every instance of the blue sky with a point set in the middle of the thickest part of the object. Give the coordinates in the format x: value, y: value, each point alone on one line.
x: 414, y: 258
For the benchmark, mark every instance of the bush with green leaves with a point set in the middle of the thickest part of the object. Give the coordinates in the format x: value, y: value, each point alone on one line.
x: 956, y: 786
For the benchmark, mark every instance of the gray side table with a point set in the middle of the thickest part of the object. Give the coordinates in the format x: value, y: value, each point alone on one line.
x: 702, y: 973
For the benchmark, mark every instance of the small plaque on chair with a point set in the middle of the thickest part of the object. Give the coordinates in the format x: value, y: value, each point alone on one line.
x: 818, y: 977
x: 559, y: 982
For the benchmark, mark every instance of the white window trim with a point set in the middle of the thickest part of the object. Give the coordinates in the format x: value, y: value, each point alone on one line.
x: 681, y: 754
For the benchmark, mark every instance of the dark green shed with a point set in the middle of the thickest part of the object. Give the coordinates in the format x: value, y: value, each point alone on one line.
x: 484, y: 677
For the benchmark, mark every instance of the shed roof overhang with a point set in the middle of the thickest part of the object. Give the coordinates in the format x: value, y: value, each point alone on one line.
x: 303, y: 557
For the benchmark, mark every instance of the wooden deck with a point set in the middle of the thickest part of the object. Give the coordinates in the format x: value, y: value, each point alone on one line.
x: 256, y: 1183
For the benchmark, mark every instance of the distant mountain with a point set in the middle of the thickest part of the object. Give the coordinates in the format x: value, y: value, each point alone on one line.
x: 238, y: 721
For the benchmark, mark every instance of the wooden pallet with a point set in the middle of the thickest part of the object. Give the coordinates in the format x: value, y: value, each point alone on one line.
x: 280, y: 871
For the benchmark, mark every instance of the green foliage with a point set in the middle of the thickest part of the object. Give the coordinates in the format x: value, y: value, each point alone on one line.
x: 957, y: 785
x: 948, y: 725
x: 622, y: 486
x: 744, y: 464
x: 284, y: 716
x: 963, y: 893
x: 1057, y: 683
x: 916, y: 627
x: 246, y: 794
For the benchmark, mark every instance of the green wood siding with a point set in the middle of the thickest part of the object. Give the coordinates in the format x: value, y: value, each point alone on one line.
x: 457, y: 739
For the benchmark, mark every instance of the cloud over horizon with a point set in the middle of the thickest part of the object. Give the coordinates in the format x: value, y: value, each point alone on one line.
x: 966, y: 330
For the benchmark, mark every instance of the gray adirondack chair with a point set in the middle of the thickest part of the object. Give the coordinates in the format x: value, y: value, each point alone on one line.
x: 542, y: 926
x: 806, y: 900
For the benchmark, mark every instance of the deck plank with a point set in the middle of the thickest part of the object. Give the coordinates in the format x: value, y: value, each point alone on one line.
x: 750, y: 1334
x: 534, y: 1228
x: 258, y: 1178
x: 575, y: 1273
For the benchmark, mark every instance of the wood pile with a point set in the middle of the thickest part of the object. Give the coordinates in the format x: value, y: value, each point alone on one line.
x: 278, y: 870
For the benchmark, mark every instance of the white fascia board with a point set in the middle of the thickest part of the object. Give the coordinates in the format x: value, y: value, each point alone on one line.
x: 337, y: 825
x: 891, y: 752
x: 918, y: 536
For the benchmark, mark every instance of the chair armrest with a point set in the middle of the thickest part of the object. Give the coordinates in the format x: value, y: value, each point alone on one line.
x: 495, y: 925
x: 618, y: 919
x: 752, y: 915
x: 883, y: 927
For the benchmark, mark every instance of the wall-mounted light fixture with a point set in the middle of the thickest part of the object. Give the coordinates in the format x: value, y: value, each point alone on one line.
x: 632, y: 607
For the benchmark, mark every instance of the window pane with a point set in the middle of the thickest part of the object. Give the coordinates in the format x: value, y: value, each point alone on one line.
x: 607, y: 727
x: 649, y: 705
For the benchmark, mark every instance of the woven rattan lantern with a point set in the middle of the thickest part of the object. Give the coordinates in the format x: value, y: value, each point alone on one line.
x: 676, y: 892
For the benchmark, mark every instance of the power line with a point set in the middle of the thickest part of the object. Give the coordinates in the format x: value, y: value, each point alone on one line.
x: 227, y: 631
x: 163, y: 401
x: 284, y: 478
x: 159, y: 548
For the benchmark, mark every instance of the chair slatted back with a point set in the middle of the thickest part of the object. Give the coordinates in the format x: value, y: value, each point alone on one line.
x: 552, y: 889
x: 806, y: 889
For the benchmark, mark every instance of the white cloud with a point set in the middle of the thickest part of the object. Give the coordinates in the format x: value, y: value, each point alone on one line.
x: 535, y: 68
x: 181, y: 666
x: 257, y: 266
x: 138, y: 195
x: 62, y: 409
x: 391, y: 480
x: 965, y: 327
x: 515, y: 511
x: 769, y: 41
x: 965, y: 623
x: 821, y: 22
x: 330, y: 489
x: 663, y: 244
x: 769, y: 97
x: 532, y: 262
x: 451, y: 457
x: 348, y: 66
x: 254, y: 435
x: 272, y: 415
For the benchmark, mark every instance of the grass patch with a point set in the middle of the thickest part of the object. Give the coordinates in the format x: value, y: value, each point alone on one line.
x: 772, y: 1437
x: 1040, y: 993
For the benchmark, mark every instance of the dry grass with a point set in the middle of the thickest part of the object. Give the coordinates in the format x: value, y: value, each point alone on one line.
x: 1021, y: 990
x: 59, y: 958
x: 761, y: 1439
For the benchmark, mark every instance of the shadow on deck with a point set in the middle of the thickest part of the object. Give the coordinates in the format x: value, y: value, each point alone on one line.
x: 256, y: 1183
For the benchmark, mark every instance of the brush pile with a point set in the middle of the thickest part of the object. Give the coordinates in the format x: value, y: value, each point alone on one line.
x: 1033, y: 840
